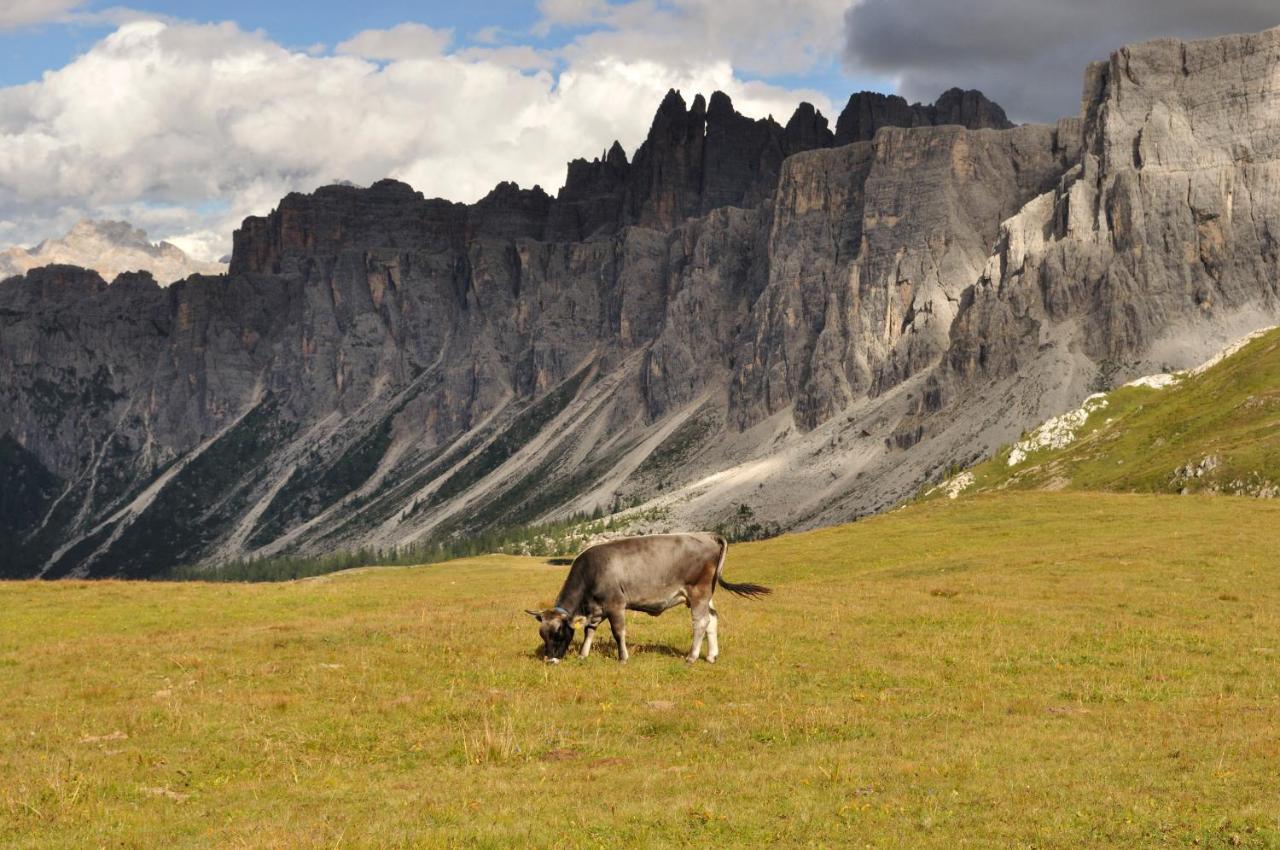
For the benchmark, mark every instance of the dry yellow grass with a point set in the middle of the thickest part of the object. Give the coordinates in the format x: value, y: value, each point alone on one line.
x: 1047, y: 670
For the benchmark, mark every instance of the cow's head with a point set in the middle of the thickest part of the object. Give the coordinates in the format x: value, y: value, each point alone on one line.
x: 555, y: 627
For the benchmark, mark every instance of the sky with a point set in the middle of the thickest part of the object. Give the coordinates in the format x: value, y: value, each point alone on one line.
x: 184, y: 117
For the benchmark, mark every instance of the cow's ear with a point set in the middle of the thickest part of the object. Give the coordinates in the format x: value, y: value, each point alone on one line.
x: 537, y: 615
x: 579, y: 621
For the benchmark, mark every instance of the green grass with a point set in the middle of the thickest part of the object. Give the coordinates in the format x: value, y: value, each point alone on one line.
x: 1013, y: 670
x: 1143, y: 437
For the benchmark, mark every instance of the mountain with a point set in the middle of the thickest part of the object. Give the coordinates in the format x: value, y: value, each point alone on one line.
x: 1211, y: 429
x: 110, y: 248
x: 744, y: 318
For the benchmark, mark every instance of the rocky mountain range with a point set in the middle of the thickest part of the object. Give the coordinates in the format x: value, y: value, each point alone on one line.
x: 804, y: 322
x: 110, y: 248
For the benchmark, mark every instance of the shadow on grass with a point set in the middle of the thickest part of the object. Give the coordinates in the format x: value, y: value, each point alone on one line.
x: 655, y: 649
x: 609, y: 649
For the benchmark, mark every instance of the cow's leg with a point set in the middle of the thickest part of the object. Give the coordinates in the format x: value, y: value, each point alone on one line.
x: 618, y: 625
x: 588, y: 634
x: 701, y: 615
x: 713, y: 645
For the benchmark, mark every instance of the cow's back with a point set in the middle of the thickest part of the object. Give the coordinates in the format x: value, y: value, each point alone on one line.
x: 649, y: 567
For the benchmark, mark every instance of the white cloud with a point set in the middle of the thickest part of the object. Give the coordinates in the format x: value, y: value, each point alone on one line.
x: 570, y: 13
x: 518, y: 56
x: 184, y: 129
x: 403, y: 41
x: 487, y: 35
x: 22, y: 13
x: 756, y: 36
x: 16, y: 14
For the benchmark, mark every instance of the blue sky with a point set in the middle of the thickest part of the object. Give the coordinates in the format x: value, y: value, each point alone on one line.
x: 32, y: 50
x: 36, y: 49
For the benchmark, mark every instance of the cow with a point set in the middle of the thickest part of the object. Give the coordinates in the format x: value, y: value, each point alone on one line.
x: 650, y: 574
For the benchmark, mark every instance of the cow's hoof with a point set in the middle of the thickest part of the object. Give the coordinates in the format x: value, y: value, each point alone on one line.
x: 711, y: 659
x: 689, y: 659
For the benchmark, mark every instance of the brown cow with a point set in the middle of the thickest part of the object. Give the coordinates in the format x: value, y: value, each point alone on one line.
x: 649, y: 574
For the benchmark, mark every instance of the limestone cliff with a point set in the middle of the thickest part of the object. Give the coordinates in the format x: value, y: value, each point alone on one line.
x: 1164, y: 237
x: 872, y: 246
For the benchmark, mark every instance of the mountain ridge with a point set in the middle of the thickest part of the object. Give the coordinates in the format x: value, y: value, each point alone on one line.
x: 378, y: 367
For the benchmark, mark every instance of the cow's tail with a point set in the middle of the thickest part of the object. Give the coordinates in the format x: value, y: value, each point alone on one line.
x: 746, y: 588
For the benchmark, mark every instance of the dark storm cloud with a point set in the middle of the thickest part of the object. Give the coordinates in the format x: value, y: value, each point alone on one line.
x: 1027, y: 55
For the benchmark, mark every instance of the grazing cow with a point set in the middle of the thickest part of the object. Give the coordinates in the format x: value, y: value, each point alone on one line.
x: 649, y: 574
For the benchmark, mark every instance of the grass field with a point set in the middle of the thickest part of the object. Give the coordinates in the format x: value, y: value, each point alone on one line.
x: 1014, y: 670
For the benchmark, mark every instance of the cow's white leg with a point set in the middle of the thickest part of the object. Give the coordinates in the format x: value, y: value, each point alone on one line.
x: 713, y: 645
x: 588, y: 635
x: 701, y: 617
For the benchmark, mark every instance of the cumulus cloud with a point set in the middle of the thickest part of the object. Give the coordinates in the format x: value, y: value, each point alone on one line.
x: 1027, y: 55
x: 184, y: 129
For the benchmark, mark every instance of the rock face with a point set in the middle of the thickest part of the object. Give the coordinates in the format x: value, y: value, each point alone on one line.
x: 1166, y: 231
x: 110, y: 248
x: 741, y: 314
x: 866, y: 112
x: 872, y: 247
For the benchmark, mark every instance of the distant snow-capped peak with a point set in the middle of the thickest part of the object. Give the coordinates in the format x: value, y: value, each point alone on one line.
x: 109, y: 248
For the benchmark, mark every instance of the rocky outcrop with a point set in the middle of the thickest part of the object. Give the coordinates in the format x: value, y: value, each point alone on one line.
x: 806, y: 131
x: 592, y: 198
x: 1169, y: 224
x: 110, y: 248
x: 706, y: 156
x: 872, y: 247
x: 333, y: 219
x: 866, y: 112
x: 743, y: 314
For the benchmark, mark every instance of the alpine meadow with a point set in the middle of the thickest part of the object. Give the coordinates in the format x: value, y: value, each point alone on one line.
x: 378, y: 505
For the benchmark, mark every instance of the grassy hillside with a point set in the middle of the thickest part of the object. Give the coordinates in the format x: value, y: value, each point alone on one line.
x: 1216, y: 432
x: 1034, y: 669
